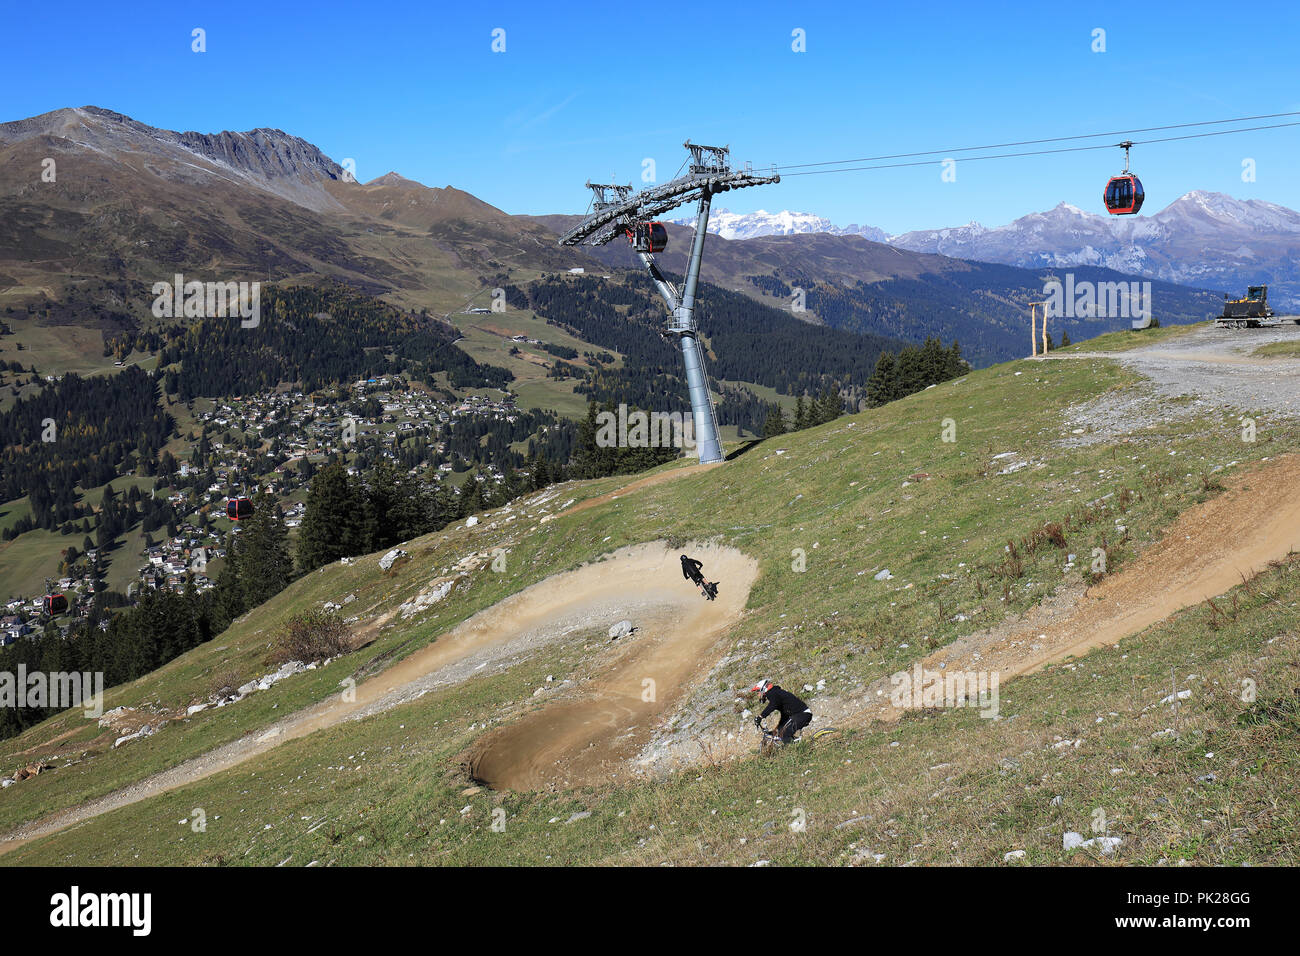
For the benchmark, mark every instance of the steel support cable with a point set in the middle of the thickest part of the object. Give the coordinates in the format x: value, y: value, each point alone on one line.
x: 1052, y: 139
x: 1039, y: 152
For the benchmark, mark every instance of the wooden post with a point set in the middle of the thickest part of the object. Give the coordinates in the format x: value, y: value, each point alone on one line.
x: 1033, y: 326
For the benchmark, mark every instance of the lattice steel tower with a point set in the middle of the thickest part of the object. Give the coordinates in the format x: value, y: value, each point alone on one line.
x: 617, y: 211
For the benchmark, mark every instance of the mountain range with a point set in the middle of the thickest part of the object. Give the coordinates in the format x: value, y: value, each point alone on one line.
x: 95, y: 207
x: 1200, y: 239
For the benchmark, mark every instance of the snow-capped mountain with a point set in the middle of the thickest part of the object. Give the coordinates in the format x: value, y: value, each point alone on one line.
x: 1203, y: 239
x: 731, y: 225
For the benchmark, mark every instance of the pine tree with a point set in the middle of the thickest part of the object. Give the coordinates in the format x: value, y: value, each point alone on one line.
x: 265, y: 566
x: 800, y: 414
x: 775, y: 422
x: 332, y: 526
x: 883, y: 386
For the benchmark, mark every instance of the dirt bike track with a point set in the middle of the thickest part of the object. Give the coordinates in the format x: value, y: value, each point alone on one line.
x: 1207, y: 551
x: 585, y: 736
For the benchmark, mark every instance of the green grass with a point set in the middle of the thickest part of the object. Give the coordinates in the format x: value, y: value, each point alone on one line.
x: 1126, y: 339
x: 844, y: 494
x: 1277, y: 350
x: 28, y: 560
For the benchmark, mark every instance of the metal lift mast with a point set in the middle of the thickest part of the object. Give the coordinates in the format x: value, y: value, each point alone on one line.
x: 615, y: 211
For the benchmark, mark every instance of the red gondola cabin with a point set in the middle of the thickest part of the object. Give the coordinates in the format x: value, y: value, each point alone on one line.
x: 237, y: 509
x: 55, y: 604
x: 1124, y: 195
x: 648, y: 237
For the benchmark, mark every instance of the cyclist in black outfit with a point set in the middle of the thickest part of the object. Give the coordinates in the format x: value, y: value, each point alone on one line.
x: 691, y: 572
x: 795, y: 714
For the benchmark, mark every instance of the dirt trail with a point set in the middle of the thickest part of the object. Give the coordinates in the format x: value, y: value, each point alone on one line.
x: 1158, y: 355
x: 642, y: 582
x: 590, y: 738
x: 1207, y: 551
x: 640, y: 483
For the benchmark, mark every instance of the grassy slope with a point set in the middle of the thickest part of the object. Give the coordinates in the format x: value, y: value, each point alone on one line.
x: 26, y: 561
x: 1126, y: 339
x: 940, y: 795
x: 1277, y: 350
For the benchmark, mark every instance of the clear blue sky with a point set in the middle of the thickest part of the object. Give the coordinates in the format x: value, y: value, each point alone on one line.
x: 591, y: 89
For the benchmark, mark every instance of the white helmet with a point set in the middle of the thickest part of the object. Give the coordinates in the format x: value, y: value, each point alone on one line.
x: 762, y: 687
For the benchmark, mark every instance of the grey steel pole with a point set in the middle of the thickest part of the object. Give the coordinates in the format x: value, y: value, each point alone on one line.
x: 706, y: 424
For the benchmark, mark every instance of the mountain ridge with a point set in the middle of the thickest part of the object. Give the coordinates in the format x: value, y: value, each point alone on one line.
x: 1201, y: 238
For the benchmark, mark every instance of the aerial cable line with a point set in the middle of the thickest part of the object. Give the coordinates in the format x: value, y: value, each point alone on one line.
x: 1054, y: 139
x: 1035, y: 152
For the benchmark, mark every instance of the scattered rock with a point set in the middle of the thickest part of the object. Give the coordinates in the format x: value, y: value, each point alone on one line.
x: 145, y: 731
x: 438, y: 589
x: 1013, y: 856
x: 623, y: 628
x: 1106, y: 844
x: 884, y: 575
x: 391, y: 558
x: 30, y: 770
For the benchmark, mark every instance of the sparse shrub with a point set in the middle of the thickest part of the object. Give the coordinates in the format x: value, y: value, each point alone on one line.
x: 1279, y: 710
x: 226, y: 684
x: 312, y: 636
x: 1210, y: 483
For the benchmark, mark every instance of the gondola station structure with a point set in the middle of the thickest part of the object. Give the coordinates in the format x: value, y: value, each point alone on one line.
x: 616, y: 211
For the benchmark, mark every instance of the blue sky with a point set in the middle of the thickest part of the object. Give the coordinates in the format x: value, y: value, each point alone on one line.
x: 592, y: 90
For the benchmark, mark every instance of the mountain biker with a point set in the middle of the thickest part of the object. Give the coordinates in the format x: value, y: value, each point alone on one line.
x: 691, y: 571
x: 795, y: 714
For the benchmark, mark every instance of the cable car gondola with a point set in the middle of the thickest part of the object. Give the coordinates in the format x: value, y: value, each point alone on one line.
x: 237, y: 509
x: 648, y: 237
x: 55, y: 604
x: 1124, y: 193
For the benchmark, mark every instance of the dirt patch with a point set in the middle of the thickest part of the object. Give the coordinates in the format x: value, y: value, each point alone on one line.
x: 1216, y: 369
x: 590, y: 737
x: 637, y: 485
x: 642, y: 580
x: 1207, y: 551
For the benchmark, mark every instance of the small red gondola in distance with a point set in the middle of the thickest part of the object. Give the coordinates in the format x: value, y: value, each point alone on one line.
x: 1124, y: 193
x: 237, y: 509
x: 55, y: 604
x: 648, y: 237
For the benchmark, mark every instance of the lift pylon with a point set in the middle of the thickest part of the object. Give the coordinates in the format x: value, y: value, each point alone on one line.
x: 617, y: 210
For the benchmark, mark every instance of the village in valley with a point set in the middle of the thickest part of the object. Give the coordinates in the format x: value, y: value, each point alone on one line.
x: 270, y: 442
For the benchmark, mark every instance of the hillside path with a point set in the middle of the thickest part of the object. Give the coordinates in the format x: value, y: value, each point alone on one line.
x: 1216, y: 368
x: 590, y: 729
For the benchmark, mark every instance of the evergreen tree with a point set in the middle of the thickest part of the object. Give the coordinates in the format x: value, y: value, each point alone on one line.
x: 333, y: 525
x: 775, y: 423
x: 265, y: 565
x: 883, y: 386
